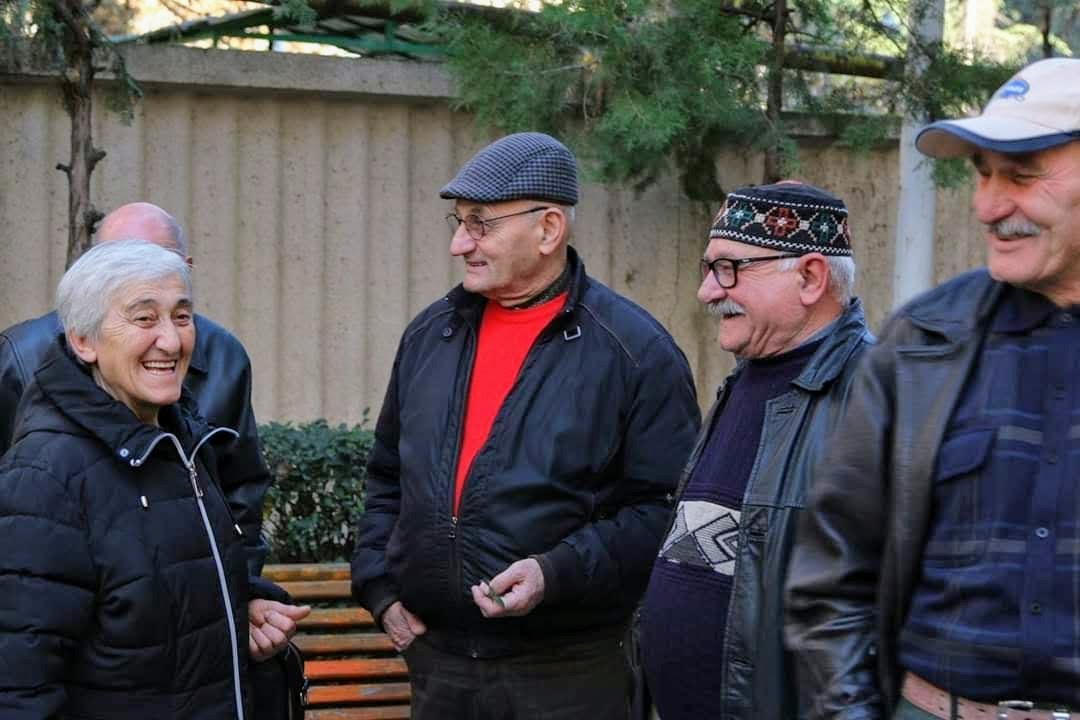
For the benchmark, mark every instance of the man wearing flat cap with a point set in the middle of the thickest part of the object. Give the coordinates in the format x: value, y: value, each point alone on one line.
x: 937, y: 574
x: 777, y: 275
x: 533, y: 430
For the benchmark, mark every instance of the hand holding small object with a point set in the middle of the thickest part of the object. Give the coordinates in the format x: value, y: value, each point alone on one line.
x: 513, y: 592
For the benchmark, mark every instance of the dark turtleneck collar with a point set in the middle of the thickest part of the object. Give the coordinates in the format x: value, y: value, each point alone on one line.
x: 553, y: 290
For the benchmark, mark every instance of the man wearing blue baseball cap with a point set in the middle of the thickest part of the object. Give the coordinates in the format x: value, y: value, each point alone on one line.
x: 533, y: 430
x: 938, y: 572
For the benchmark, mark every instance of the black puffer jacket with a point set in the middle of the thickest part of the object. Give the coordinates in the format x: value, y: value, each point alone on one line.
x: 113, y: 601
x: 219, y: 379
x: 577, y: 471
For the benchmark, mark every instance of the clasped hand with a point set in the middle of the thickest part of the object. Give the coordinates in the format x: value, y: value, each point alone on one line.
x: 270, y: 625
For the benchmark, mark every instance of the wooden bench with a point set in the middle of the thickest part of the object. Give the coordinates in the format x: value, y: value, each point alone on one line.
x: 354, y: 671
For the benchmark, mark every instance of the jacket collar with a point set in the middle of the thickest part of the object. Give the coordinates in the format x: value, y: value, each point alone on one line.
x: 80, y: 407
x: 469, y: 304
x: 829, y: 360
x: 199, y: 362
x: 958, y: 308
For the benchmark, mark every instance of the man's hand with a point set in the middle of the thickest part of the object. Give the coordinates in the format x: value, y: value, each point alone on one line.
x: 270, y: 625
x: 515, y: 591
x: 402, y: 626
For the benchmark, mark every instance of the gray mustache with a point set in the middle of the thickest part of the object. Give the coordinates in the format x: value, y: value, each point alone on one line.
x: 720, y: 308
x: 1015, y: 226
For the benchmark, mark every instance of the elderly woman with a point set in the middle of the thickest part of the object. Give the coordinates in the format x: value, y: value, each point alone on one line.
x: 123, y: 585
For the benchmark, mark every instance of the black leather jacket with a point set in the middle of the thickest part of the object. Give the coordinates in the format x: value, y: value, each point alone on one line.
x: 219, y: 378
x: 859, y: 549
x: 758, y: 679
x: 577, y: 472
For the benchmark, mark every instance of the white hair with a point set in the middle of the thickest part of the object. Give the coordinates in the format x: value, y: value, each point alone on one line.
x: 841, y: 275
x: 86, y: 291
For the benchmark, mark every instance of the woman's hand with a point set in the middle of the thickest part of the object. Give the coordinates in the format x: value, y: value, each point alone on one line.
x: 270, y: 625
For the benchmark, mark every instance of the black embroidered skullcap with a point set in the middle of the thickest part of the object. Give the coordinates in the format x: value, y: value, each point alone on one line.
x: 788, y: 216
x: 527, y: 165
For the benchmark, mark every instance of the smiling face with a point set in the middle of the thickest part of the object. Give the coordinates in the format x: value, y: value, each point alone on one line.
x: 760, y: 316
x: 1031, y: 207
x: 509, y: 263
x: 142, y: 350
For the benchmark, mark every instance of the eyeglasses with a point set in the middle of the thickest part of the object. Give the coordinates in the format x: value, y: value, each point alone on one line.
x: 725, y: 270
x: 477, y: 226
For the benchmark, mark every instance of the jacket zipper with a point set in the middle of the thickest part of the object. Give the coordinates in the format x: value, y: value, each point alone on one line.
x: 455, y: 513
x: 193, y: 474
x: 455, y: 509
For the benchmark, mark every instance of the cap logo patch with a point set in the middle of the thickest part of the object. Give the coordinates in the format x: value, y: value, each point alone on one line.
x: 1016, y: 88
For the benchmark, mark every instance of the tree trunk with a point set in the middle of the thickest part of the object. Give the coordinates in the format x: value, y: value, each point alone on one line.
x: 774, y: 102
x: 77, y: 84
x: 1048, y: 22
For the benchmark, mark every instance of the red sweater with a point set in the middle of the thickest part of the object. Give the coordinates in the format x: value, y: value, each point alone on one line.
x: 503, y: 342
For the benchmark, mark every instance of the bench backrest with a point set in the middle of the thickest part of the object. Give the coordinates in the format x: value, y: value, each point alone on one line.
x: 354, y: 671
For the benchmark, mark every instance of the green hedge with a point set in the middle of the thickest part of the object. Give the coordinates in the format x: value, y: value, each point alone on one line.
x: 317, y: 495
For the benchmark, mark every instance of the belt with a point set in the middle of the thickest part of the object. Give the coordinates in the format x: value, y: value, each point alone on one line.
x: 932, y: 699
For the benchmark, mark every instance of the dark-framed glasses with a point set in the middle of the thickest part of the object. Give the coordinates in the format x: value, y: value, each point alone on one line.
x: 477, y: 226
x: 725, y: 270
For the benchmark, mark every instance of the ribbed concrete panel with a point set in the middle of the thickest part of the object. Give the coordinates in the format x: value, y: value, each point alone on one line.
x: 59, y: 129
x: 119, y: 176
x: 593, y: 232
x: 257, y: 258
x: 303, y: 173
x: 167, y: 155
x: 346, y: 296
x: 431, y: 165
x: 26, y: 159
x: 309, y: 189
x: 389, y: 241
x: 212, y: 191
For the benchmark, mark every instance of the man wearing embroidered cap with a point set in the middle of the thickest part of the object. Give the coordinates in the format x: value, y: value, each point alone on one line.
x: 777, y: 275
x: 936, y: 575
x: 534, y: 427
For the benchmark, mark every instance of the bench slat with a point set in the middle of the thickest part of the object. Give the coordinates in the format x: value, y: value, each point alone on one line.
x: 333, y: 618
x: 338, y: 644
x: 338, y: 694
x: 318, y: 589
x: 310, y: 571
x: 393, y: 712
x: 355, y: 668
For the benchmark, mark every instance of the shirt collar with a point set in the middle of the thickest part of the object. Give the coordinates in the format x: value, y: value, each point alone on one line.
x: 1021, y: 310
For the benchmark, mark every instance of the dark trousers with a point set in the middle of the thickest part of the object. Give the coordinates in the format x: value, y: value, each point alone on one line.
x: 578, y: 681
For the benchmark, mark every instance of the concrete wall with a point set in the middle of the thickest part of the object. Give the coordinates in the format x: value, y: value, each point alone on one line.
x: 308, y: 187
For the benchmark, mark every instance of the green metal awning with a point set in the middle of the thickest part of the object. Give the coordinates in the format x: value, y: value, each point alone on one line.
x: 362, y: 27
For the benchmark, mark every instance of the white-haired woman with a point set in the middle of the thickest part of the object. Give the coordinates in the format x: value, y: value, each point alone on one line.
x: 123, y: 585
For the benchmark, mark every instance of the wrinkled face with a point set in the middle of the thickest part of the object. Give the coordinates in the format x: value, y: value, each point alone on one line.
x: 761, y: 315
x: 143, y: 349
x: 1030, y: 205
x: 505, y: 263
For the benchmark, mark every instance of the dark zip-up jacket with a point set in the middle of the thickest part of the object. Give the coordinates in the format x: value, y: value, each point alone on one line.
x: 758, y: 677
x: 219, y: 379
x: 859, y: 549
x: 577, y: 471
x: 123, y: 577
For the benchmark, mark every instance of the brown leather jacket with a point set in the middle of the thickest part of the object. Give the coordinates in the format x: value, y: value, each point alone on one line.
x: 858, y: 549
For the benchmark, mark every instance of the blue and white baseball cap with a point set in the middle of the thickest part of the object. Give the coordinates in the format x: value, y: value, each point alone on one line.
x: 1039, y: 108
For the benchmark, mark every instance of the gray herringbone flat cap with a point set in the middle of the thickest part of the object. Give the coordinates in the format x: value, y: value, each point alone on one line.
x: 524, y: 165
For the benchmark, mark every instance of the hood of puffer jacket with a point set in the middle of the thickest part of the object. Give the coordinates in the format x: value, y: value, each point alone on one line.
x: 63, y: 398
